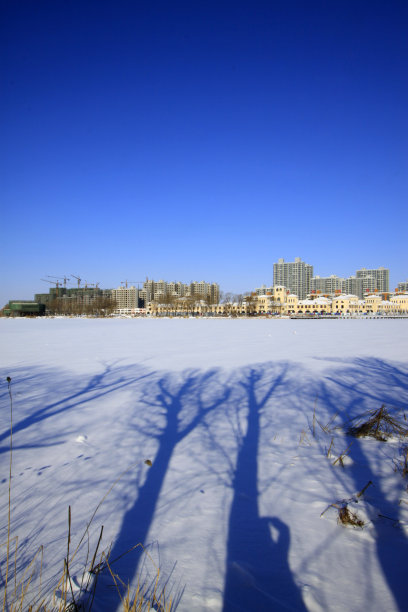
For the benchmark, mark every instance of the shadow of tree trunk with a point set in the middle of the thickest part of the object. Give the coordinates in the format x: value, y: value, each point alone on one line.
x: 182, y: 408
x: 258, y: 576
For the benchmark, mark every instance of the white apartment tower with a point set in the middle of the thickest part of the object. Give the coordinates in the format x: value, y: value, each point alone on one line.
x: 374, y: 280
x: 154, y: 290
x: 402, y: 287
x: 353, y: 286
x: 126, y: 297
x: 296, y: 276
x: 327, y: 285
x: 205, y: 291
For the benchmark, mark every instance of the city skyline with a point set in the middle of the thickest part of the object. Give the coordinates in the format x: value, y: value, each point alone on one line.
x: 207, y: 141
x: 159, y: 298
x: 297, y: 277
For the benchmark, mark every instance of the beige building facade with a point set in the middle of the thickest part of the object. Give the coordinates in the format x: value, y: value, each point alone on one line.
x: 164, y: 291
x: 277, y: 301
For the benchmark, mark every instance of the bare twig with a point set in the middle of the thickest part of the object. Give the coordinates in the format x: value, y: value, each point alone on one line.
x: 364, y: 489
x: 342, y: 455
x: 9, y: 493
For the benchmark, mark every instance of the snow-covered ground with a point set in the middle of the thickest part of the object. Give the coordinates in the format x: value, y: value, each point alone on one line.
x: 231, y: 508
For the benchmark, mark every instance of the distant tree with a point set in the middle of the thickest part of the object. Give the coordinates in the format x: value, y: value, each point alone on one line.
x: 191, y: 303
x: 207, y: 303
x: 251, y: 300
x: 228, y: 302
x: 167, y: 300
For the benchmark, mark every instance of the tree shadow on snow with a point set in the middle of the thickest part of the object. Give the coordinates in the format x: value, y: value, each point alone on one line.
x: 173, y: 406
x: 362, y: 385
x: 181, y: 403
x: 257, y: 573
x: 71, y: 393
x: 258, y: 576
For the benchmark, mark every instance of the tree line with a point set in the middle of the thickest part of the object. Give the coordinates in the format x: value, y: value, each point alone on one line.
x: 98, y: 306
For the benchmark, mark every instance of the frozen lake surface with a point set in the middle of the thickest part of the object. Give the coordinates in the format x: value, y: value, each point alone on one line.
x: 230, y: 508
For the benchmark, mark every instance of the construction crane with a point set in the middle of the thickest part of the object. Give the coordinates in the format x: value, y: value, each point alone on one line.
x: 56, y: 283
x: 91, y: 285
x: 64, y: 278
x: 78, y: 279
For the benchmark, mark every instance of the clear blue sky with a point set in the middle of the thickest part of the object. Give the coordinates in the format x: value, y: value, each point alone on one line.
x: 201, y: 140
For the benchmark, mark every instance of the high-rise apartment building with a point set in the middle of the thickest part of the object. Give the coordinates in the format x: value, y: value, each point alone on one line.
x: 296, y: 276
x: 374, y: 280
x: 206, y: 291
x: 176, y: 289
x: 402, y: 287
x: 327, y: 285
x: 353, y: 286
x: 264, y: 290
x: 154, y: 290
x: 126, y: 297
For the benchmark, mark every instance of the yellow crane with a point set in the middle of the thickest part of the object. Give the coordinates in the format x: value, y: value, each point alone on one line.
x: 78, y: 279
x: 63, y: 278
x: 56, y: 283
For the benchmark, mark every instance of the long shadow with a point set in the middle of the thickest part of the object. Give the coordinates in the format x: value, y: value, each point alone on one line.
x: 366, y: 384
x: 258, y: 576
x: 111, y: 379
x: 182, y: 406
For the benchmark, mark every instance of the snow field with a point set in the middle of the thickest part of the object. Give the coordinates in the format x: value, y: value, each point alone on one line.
x: 238, y: 482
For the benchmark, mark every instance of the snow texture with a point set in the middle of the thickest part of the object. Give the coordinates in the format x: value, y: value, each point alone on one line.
x: 239, y: 507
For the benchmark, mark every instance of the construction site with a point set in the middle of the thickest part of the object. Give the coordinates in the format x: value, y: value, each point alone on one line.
x: 131, y: 297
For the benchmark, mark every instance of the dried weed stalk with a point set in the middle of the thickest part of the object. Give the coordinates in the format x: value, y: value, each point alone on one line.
x: 378, y: 424
x: 347, y: 517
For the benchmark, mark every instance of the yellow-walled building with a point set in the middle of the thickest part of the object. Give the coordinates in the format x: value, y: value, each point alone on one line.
x: 278, y: 301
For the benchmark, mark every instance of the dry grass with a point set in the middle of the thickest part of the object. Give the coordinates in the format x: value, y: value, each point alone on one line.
x: 16, y: 588
x: 142, y: 596
x: 348, y: 518
x: 345, y: 516
x: 378, y: 424
x: 340, y: 458
x: 328, y: 428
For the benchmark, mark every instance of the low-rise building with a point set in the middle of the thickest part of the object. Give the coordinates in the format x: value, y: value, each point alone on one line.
x: 372, y: 303
x: 345, y: 304
x: 272, y: 302
x: 24, y: 308
x: 318, y: 306
x: 400, y: 303
x: 291, y: 304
